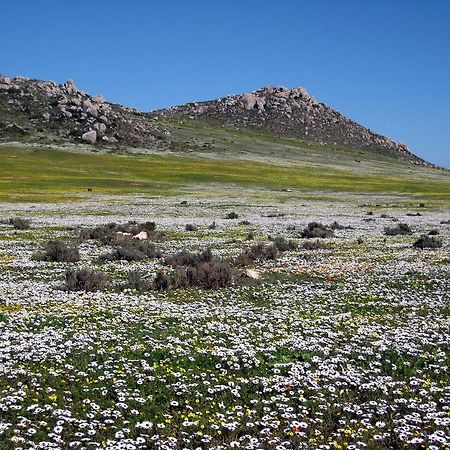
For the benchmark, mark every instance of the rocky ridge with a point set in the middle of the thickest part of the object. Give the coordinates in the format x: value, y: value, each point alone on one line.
x: 291, y: 113
x: 30, y: 107
x: 44, y: 111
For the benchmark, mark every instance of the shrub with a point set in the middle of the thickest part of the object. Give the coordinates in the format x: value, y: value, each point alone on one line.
x: 445, y: 222
x: 360, y: 240
x: 148, y: 226
x: 337, y: 226
x: 426, y: 241
x: 137, y: 282
x: 19, y: 223
x: 283, y: 245
x: 232, y: 215
x: 58, y: 251
x: 134, y: 250
x: 212, y: 226
x: 113, y: 233
x: 161, y: 281
x: 214, y: 274
x: 313, y: 245
x: 244, y: 222
x: 433, y: 232
x: 250, y: 236
x: 316, y: 230
x: 190, y: 227
x: 400, y: 230
x: 185, y: 258
x: 258, y: 252
x: 85, y: 280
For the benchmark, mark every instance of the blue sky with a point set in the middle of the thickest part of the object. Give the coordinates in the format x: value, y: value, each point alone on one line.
x: 383, y: 63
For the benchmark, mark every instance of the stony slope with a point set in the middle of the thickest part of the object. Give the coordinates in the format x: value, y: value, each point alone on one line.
x: 44, y: 110
x: 288, y: 112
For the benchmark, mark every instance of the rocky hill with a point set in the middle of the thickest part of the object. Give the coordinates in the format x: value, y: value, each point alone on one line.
x: 292, y: 113
x: 44, y: 110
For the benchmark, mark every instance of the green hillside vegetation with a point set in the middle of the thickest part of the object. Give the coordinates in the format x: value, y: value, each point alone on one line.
x: 43, y: 174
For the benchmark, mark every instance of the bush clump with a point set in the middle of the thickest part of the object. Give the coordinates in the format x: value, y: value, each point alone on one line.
x: 427, y: 241
x: 134, y: 250
x: 213, y: 274
x: 232, y: 215
x: 85, y: 280
x: 20, y: 223
x: 136, y: 281
x: 317, y: 230
x: 401, y: 229
x: 258, y: 252
x: 58, y: 251
x: 313, y: 245
x: 185, y: 258
x: 284, y: 245
x: 433, y: 232
x: 113, y: 233
x: 190, y: 227
x: 200, y: 269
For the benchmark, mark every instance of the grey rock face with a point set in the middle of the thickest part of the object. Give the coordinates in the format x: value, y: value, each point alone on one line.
x: 70, y: 87
x: 90, y: 136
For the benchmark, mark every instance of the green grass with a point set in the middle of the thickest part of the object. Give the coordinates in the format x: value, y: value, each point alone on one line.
x: 55, y: 175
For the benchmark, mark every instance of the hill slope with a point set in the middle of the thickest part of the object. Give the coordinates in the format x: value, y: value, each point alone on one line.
x: 36, y: 110
x: 288, y: 112
x: 48, y: 113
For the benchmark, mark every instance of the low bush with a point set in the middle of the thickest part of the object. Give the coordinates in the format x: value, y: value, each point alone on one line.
x: 113, y: 233
x: 190, y: 227
x: 185, y: 258
x: 313, y: 245
x: 214, y: 274
x: 134, y: 250
x: 20, y: 223
x: 85, y: 280
x: 337, y: 226
x: 284, y: 245
x: 58, y: 251
x: 433, y: 232
x: 213, y: 225
x: 232, y: 215
x: 258, y: 252
x: 137, y: 282
x: 401, y: 229
x: 426, y: 241
x: 317, y: 230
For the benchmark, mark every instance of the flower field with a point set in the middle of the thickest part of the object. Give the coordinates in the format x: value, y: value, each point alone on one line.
x: 340, y: 347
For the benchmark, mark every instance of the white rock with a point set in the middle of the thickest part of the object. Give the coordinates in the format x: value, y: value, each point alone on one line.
x: 93, y: 111
x: 98, y: 99
x: 5, y: 80
x: 253, y: 274
x: 141, y: 236
x: 90, y: 136
x: 70, y: 87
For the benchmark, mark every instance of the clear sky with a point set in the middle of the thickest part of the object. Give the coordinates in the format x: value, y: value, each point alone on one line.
x: 383, y: 63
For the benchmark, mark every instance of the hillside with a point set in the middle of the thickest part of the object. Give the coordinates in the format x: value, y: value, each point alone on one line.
x: 44, y: 112
x: 289, y: 113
